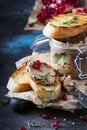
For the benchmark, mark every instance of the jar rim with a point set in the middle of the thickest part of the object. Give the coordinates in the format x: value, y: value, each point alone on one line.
x: 67, y: 47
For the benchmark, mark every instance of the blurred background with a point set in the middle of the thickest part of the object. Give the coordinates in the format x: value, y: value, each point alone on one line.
x: 14, y: 13
x: 14, y: 44
x: 22, y: 7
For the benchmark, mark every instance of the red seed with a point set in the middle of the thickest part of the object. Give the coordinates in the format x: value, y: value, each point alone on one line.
x: 54, y: 1
x: 64, y: 97
x: 85, y: 10
x: 84, y: 118
x: 63, y: 6
x: 37, y: 67
x: 30, y: 24
x: 38, y: 62
x: 46, y: 2
x: 23, y: 128
x: 46, y: 116
x: 56, y: 124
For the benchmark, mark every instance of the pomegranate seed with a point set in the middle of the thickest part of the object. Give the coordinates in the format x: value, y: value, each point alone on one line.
x: 85, y: 10
x: 54, y: 1
x: 52, y: 8
x: 46, y: 116
x: 37, y: 67
x: 30, y: 24
x: 84, y: 118
x: 37, y: 62
x: 41, y: 18
x: 64, y: 97
x: 45, y: 2
x: 62, y: 8
x: 23, y: 128
x: 56, y: 124
x: 79, y: 11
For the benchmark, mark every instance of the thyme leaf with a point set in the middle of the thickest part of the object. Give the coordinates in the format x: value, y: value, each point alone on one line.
x: 43, y: 104
x: 32, y: 124
x: 4, y: 102
x: 45, y: 76
x: 73, y: 20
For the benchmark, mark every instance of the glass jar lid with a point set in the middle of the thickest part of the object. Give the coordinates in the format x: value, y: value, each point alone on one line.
x: 67, y: 46
x: 40, y: 44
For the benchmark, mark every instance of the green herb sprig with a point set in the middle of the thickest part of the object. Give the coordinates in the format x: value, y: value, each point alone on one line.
x: 45, y: 76
x: 4, y: 102
x: 32, y: 124
x: 73, y: 20
x: 43, y: 104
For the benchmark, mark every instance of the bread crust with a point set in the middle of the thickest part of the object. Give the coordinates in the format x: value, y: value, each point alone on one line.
x: 57, y: 29
x: 45, y: 91
x: 18, y: 81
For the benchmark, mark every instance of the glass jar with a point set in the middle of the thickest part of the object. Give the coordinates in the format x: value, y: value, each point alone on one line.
x: 65, y: 58
x: 69, y: 59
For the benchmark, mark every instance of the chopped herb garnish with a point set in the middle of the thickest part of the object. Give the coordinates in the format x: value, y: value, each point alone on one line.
x: 4, y: 102
x: 43, y: 104
x: 73, y: 20
x: 45, y: 76
x: 32, y: 124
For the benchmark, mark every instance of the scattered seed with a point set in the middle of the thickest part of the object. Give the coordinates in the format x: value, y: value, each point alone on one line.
x: 56, y: 124
x: 46, y: 116
x: 23, y: 128
x: 84, y: 118
x: 64, y: 97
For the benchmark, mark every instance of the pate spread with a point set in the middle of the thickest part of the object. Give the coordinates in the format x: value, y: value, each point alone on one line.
x: 79, y: 39
x: 45, y: 75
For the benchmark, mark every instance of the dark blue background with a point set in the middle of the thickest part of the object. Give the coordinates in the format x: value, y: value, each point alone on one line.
x: 14, y: 44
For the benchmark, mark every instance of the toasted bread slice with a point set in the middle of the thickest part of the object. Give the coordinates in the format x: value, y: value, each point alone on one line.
x: 18, y: 81
x: 45, y: 81
x: 66, y: 25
